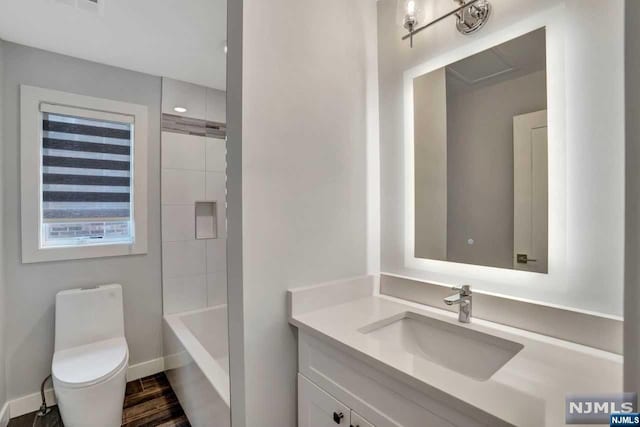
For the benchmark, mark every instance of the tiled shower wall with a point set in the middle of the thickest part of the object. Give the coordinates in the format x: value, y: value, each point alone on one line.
x: 193, y: 170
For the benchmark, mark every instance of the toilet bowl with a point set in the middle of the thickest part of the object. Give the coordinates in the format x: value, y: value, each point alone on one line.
x: 91, y: 356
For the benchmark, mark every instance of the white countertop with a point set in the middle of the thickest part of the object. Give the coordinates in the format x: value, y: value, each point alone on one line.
x: 528, y: 391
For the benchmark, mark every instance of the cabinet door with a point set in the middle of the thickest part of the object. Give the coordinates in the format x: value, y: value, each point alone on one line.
x: 316, y: 408
x: 358, y: 421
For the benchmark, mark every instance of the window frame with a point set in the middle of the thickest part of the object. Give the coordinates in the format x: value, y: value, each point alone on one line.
x: 31, y: 99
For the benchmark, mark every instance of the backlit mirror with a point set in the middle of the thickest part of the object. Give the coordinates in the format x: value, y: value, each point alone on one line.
x: 480, y: 158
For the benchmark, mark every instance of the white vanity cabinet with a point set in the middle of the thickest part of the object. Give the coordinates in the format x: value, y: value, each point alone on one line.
x: 338, y: 389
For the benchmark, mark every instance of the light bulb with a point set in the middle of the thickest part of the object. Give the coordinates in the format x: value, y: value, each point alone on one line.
x: 411, y: 7
x: 179, y: 109
x: 410, y: 19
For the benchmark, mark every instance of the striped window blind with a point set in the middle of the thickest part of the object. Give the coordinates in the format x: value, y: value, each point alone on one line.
x: 86, y: 178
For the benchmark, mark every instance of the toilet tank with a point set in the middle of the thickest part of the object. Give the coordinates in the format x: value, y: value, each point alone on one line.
x: 84, y: 316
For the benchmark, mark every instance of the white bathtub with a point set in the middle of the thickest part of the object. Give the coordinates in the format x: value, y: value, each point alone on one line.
x: 197, y: 364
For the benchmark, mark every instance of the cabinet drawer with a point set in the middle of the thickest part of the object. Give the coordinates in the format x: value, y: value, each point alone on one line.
x: 317, y: 408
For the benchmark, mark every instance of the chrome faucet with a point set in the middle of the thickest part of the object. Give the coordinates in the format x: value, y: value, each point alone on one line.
x: 462, y: 298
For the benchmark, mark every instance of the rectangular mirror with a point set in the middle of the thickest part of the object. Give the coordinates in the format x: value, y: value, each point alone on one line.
x: 480, y: 153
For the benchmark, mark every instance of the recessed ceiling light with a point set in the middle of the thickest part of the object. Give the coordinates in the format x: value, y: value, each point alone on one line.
x: 179, y: 109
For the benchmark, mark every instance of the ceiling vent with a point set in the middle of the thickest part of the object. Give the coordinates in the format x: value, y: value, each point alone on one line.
x: 480, y: 67
x: 94, y: 6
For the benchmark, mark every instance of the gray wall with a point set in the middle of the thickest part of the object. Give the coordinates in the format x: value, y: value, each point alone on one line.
x: 31, y: 288
x: 632, y: 247
x: 480, y: 167
x: 3, y: 322
x: 235, y: 292
x: 303, y: 182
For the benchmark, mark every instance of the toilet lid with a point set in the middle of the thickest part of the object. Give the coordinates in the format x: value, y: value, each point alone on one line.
x: 91, y: 363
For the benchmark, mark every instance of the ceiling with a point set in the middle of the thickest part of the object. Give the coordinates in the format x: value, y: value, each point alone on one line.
x: 183, y: 40
x: 523, y: 55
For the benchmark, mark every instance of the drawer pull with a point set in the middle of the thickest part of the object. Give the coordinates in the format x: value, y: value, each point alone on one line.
x: 337, y: 417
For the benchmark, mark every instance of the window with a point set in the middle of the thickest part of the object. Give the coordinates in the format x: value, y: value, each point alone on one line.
x: 86, y: 178
x: 83, y: 176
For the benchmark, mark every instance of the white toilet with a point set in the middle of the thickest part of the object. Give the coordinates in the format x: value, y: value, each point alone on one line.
x: 91, y: 356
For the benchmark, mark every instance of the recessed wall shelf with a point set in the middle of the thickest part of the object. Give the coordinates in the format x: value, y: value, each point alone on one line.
x: 206, y: 220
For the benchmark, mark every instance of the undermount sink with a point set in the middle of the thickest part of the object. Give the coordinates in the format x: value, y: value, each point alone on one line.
x: 466, y: 351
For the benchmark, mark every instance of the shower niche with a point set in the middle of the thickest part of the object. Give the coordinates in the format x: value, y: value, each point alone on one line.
x: 206, y: 218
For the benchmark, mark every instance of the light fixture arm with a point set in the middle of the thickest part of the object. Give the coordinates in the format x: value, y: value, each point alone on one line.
x: 471, y: 17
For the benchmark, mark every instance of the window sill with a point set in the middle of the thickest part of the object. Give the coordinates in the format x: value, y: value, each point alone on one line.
x: 82, y: 252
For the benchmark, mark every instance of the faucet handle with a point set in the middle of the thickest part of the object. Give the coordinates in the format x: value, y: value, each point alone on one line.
x: 464, y: 290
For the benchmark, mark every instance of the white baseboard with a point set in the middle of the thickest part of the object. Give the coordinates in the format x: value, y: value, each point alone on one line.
x: 25, y: 404
x: 144, y: 369
x: 29, y: 403
x: 4, y: 415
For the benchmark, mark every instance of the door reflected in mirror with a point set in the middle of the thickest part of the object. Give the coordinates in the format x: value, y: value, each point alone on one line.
x: 480, y: 153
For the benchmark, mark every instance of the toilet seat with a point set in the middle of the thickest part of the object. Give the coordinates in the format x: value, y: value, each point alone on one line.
x: 90, y: 364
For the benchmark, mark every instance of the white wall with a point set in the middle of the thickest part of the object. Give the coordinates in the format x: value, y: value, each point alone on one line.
x: 593, y: 94
x: 304, y: 186
x: 31, y: 288
x: 632, y: 268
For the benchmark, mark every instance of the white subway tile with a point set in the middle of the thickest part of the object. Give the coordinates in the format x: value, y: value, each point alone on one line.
x: 216, y: 191
x: 216, y: 153
x: 180, y: 151
x: 216, y: 255
x: 181, y: 259
x: 178, y: 223
x: 184, y: 293
x: 182, y: 186
x: 217, y: 288
x: 216, y: 187
x: 221, y: 220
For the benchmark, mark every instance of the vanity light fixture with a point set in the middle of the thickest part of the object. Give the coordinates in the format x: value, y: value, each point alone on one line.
x: 471, y: 15
x: 179, y: 109
x: 410, y: 19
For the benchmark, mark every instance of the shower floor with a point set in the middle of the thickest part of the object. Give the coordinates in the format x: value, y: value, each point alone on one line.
x: 149, y: 401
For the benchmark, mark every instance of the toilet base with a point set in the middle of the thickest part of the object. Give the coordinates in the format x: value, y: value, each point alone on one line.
x: 98, y: 405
